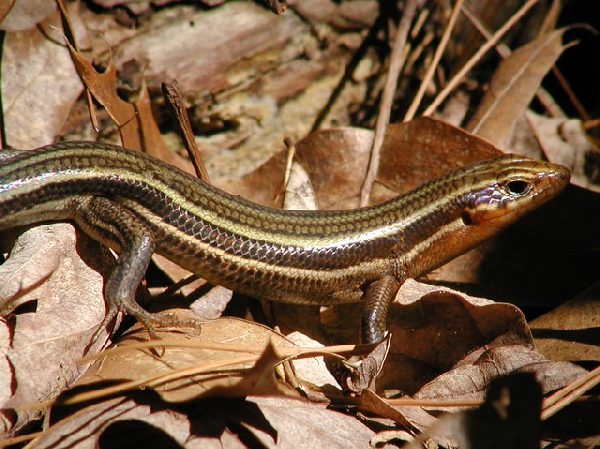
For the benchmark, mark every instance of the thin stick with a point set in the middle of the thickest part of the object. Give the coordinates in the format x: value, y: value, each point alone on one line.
x: 173, y: 97
x: 477, y: 56
x: 568, y: 394
x: 439, y: 51
x: 397, y: 59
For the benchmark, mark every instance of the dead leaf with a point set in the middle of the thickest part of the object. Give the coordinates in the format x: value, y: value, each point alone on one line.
x: 436, y: 329
x: 212, y: 304
x: 336, y: 161
x: 56, y: 317
x: 313, y: 371
x: 469, y: 379
x: 5, y: 8
x: 513, y: 86
x: 24, y: 14
x: 571, y: 332
x: 371, y: 403
x: 211, y: 423
x: 565, y: 142
x: 364, y: 375
x: 510, y: 417
x: 264, y: 185
x: 424, y: 149
x: 299, y: 194
x: 30, y: 118
x: 205, y: 372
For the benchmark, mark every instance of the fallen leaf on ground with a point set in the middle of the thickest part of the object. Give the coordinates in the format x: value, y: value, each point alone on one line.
x: 210, y: 423
x: 31, y: 119
x: 184, y: 373
x: 513, y: 86
x: 59, y: 304
x: 571, y: 332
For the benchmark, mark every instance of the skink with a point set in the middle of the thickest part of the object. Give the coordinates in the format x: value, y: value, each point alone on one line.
x: 138, y: 205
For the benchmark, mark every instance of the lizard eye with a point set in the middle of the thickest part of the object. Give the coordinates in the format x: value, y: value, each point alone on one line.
x: 518, y: 187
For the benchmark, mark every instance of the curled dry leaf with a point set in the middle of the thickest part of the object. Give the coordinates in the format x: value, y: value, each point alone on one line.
x: 60, y: 304
x: 436, y: 330
x: 363, y: 377
x: 470, y: 378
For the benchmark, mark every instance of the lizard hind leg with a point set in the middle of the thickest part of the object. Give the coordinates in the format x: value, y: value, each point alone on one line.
x: 118, y: 228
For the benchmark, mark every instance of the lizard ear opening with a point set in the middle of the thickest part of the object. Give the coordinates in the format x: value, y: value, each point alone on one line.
x: 466, y: 219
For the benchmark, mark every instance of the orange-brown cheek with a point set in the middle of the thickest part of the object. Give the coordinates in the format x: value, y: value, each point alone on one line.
x: 471, y: 217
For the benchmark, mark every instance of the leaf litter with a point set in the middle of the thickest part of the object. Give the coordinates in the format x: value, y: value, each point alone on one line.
x: 491, y: 335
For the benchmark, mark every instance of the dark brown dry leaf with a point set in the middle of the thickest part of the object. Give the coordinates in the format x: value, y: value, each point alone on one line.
x: 212, y: 423
x: 215, y: 378
x: 424, y: 149
x: 571, y: 332
x: 103, y: 87
x: 565, y: 142
x: 137, y: 127
x: 136, y: 124
x: 435, y: 329
x: 336, y: 161
x: 65, y: 297
x: 264, y: 185
x: 513, y: 86
x: 152, y: 140
x: 31, y: 119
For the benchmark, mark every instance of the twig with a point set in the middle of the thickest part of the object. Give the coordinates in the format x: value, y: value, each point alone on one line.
x: 174, y: 99
x: 572, y: 96
x: 397, y: 59
x: 439, y: 51
x: 477, y: 56
x: 277, y: 6
x: 543, y: 96
x: 568, y: 394
x: 289, y: 159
